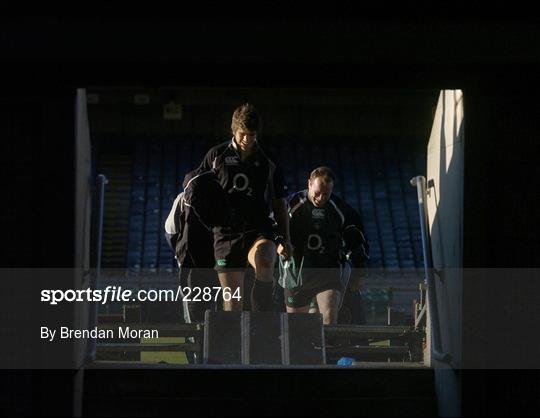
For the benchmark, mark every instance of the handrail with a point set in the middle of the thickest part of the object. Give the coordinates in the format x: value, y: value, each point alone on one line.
x: 94, y: 281
x: 420, y: 183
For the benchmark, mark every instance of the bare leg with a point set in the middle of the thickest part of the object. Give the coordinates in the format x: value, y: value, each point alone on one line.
x: 232, y: 280
x: 328, y: 305
x: 262, y: 257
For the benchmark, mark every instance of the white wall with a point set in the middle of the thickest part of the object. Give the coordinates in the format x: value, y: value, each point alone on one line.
x: 445, y: 212
x: 82, y: 203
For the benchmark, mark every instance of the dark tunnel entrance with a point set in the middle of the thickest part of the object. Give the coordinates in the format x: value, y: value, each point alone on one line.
x: 145, y: 140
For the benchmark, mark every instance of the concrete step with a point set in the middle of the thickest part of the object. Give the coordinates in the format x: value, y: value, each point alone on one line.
x: 367, y: 331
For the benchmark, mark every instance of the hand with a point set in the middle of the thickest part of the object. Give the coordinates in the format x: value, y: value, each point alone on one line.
x: 285, y: 249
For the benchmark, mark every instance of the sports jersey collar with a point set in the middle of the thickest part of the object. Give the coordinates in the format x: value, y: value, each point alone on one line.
x: 235, y: 147
x: 233, y: 143
x: 326, y: 205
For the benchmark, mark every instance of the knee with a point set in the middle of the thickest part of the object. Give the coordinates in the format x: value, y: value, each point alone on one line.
x: 265, y: 259
x: 265, y: 263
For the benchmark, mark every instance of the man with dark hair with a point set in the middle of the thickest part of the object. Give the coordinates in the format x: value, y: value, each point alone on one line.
x: 255, y: 185
x: 323, y: 230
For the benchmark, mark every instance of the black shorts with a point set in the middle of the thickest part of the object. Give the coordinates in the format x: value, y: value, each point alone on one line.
x: 301, y: 297
x: 231, y: 248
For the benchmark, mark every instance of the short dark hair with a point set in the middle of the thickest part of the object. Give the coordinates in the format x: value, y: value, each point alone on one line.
x: 246, y: 117
x: 323, y: 172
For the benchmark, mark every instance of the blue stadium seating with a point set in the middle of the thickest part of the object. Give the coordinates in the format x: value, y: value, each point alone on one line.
x: 373, y: 177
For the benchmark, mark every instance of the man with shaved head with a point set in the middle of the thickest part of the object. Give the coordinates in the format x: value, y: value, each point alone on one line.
x: 324, y: 231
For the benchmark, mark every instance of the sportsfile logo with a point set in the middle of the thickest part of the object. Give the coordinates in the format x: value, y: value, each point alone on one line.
x: 231, y: 161
x: 112, y: 294
x: 317, y: 213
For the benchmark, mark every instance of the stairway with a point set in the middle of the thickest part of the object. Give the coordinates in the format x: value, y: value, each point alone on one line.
x: 385, y: 381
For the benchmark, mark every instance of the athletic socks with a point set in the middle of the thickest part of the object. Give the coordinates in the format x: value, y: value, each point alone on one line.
x: 261, y: 296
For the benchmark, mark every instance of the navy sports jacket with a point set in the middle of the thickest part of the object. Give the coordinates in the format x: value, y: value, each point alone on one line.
x: 201, y: 206
x: 250, y: 184
x: 323, y: 235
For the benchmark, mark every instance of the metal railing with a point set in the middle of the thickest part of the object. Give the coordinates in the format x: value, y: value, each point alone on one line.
x: 94, y: 280
x: 436, y: 348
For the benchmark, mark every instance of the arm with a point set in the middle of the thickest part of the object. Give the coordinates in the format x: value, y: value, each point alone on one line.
x: 282, y: 218
x: 355, y: 239
x: 356, y: 245
x: 280, y: 208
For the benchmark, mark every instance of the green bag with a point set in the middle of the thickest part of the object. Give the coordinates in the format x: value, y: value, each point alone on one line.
x: 290, y: 275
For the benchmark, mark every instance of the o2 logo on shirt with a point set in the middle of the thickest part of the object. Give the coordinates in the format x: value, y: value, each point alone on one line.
x: 240, y: 184
x: 315, y: 243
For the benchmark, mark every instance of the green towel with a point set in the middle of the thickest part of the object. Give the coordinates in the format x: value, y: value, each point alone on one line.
x: 290, y: 276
